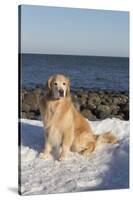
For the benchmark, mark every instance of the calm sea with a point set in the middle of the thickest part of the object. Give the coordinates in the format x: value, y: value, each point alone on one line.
x: 92, y: 72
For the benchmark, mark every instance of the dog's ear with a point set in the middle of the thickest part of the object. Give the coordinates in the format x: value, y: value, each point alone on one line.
x: 68, y: 87
x: 48, y: 84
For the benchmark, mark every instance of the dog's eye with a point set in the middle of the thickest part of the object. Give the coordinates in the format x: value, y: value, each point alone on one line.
x: 64, y: 83
x: 55, y: 83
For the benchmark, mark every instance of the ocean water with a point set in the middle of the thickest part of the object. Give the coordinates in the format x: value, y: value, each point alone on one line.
x: 91, y: 72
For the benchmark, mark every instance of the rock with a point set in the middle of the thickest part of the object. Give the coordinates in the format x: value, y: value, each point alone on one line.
x: 125, y: 111
x: 82, y: 102
x: 92, y: 104
x: 37, y: 112
x: 106, y: 100
x: 37, y: 117
x: 31, y: 115
x: 103, y: 111
x: 120, y: 100
x: 83, y: 99
x: 116, y: 100
x: 74, y: 97
x: 101, y: 92
x: 78, y: 102
x: 123, y: 99
x: 31, y: 100
x: 80, y: 93
x: 37, y: 92
x: 23, y: 115
x: 25, y: 107
x: 114, y: 109
x: 88, y: 114
x: 22, y: 94
x: 94, y: 99
x: 120, y: 116
x: 77, y: 106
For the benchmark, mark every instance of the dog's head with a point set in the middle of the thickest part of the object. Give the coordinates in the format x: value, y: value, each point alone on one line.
x: 58, y: 86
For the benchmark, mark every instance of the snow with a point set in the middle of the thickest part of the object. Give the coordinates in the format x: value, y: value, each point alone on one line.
x: 106, y: 168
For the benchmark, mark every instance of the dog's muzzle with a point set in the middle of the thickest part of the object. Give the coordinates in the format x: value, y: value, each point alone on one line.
x: 61, y: 93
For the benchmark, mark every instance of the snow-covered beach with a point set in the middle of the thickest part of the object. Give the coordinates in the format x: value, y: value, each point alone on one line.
x: 106, y: 168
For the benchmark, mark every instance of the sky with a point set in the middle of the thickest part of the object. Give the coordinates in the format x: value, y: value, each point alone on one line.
x: 73, y: 31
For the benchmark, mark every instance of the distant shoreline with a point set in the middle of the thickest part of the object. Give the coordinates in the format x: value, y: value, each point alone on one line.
x: 29, y: 53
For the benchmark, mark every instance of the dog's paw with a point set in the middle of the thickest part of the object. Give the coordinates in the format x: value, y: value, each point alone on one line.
x: 61, y: 158
x: 43, y: 156
x: 85, y: 153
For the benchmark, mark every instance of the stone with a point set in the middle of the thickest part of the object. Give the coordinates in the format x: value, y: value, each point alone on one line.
x: 25, y: 107
x: 95, y: 99
x: 22, y: 94
x: 76, y: 101
x: 120, y: 100
x: 88, y: 114
x: 114, y: 109
x: 91, y: 106
x: 23, y: 115
x: 103, y: 111
x: 31, y: 99
x: 31, y: 115
x: 125, y: 111
x: 120, y: 116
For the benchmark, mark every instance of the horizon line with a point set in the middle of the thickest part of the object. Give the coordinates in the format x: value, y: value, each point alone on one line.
x: 72, y: 54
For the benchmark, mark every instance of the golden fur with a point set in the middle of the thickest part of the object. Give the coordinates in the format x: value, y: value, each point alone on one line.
x: 64, y: 125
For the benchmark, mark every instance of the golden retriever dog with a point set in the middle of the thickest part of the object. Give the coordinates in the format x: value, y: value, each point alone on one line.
x: 64, y: 125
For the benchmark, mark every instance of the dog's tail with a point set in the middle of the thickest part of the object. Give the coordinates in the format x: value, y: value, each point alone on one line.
x: 107, y: 137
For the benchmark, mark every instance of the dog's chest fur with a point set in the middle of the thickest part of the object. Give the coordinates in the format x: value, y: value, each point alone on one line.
x: 53, y: 116
x: 52, y: 111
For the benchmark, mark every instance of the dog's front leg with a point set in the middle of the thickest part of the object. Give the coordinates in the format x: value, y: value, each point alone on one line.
x: 46, y: 151
x: 67, y: 142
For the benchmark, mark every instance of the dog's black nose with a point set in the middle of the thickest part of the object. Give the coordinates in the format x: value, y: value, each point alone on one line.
x: 61, y: 91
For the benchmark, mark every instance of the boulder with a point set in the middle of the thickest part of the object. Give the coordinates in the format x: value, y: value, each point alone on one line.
x: 80, y: 93
x: 88, y: 114
x: 22, y: 94
x: 31, y: 100
x: 95, y: 99
x: 103, y: 111
x: 77, y: 105
x: 77, y: 102
x: 106, y: 100
x: 31, y: 115
x: 123, y: 99
x: 114, y: 109
x: 25, y: 107
x: 120, y: 116
x: 120, y: 100
x: 23, y: 115
x: 91, y: 106
x: 125, y: 111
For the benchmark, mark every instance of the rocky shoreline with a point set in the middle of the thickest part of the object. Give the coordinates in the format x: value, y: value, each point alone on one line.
x: 94, y: 105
